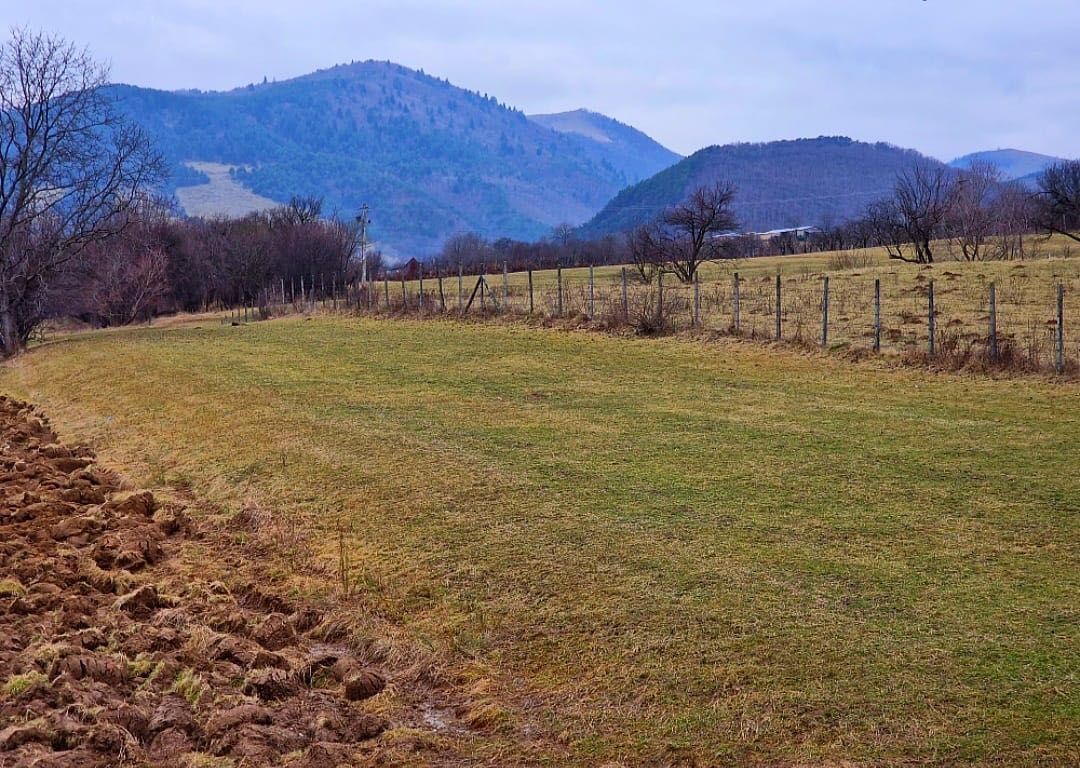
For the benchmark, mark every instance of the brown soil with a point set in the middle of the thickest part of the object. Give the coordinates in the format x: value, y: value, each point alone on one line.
x: 103, y: 664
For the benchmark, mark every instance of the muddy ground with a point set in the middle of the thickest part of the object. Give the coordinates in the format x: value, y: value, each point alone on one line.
x: 112, y: 655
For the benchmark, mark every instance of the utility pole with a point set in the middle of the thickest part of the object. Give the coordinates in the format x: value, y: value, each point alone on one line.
x: 363, y: 220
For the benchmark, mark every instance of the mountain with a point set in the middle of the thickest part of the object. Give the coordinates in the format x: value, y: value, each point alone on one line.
x: 625, y: 147
x: 801, y: 182
x: 429, y: 158
x: 1013, y: 163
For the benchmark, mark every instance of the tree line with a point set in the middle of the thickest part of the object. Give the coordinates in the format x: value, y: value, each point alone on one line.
x: 159, y: 262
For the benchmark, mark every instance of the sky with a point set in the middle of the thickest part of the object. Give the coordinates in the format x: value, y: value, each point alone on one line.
x: 946, y: 77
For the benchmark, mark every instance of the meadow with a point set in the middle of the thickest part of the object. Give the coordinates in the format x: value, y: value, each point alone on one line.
x: 637, y: 551
x: 1025, y: 301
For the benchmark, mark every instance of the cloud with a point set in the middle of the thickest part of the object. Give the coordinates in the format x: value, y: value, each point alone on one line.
x: 943, y: 77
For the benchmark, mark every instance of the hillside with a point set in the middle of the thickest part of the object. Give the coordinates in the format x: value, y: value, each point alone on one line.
x: 1013, y: 163
x: 428, y: 157
x: 780, y: 183
x: 625, y: 147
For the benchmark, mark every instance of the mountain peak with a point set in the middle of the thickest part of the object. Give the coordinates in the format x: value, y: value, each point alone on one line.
x: 1012, y: 163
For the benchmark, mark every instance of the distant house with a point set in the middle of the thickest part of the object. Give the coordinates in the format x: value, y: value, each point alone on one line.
x: 798, y: 233
x: 410, y: 270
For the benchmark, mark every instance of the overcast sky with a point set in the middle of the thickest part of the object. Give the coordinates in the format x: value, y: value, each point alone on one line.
x: 944, y: 76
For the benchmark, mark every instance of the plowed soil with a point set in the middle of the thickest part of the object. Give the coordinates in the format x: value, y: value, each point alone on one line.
x: 101, y: 662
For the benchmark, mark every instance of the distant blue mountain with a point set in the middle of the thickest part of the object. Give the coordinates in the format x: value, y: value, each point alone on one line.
x: 429, y: 158
x: 1012, y: 163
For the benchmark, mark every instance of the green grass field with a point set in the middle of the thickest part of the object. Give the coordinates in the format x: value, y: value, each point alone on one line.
x: 642, y: 551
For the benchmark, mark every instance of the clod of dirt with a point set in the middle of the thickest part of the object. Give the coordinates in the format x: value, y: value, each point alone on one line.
x: 92, y: 666
x: 168, y: 745
x: 16, y: 735
x: 324, y: 754
x: 141, y: 603
x: 270, y: 684
x: 139, y: 504
x: 239, y: 715
x: 259, y: 744
x: 245, y: 653
x: 305, y: 619
x: 173, y: 712
x: 274, y: 632
x: 69, y: 527
x: 132, y: 719
x: 364, y: 685
x: 71, y: 464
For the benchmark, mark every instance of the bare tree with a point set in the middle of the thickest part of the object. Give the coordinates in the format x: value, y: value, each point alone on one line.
x: 1060, y: 198
x: 1014, y: 217
x: 467, y: 249
x: 971, y: 222
x: 128, y: 285
x: 886, y: 228
x: 923, y: 196
x: 69, y: 168
x: 694, y: 227
x: 646, y: 251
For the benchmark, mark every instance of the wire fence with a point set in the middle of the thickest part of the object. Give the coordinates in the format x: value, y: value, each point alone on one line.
x: 1008, y: 318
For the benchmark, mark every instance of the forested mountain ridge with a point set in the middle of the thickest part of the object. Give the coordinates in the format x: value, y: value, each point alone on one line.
x: 429, y: 158
x: 801, y: 182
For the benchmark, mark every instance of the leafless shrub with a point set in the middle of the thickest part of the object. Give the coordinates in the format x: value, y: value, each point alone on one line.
x: 850, y: 260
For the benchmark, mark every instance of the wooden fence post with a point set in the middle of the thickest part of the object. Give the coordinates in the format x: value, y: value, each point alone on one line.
x: 283, y: 291
x: 303, y: 293
x: 877, y: 314
x: 404, y: 297
x: 460, y: 286
x: 931, y: 323
x: 738, y: 307
x: 625, y: 299
x: 993, y: 323
x: 825, y: 313
x: 697, y: 301
x: 592, y: 294
x: 530, y: 291
x: 778, y: 326
x: 442, y: 296
x: 558, y: 299
x: 386, y: 288
x: 1060, y: 329
x: 333, y: 289
x: 421, y: 290
x: 483, y: 287
x: 660, y: 296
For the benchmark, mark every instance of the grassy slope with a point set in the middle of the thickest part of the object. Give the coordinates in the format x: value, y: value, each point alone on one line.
x: 682, y: 550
